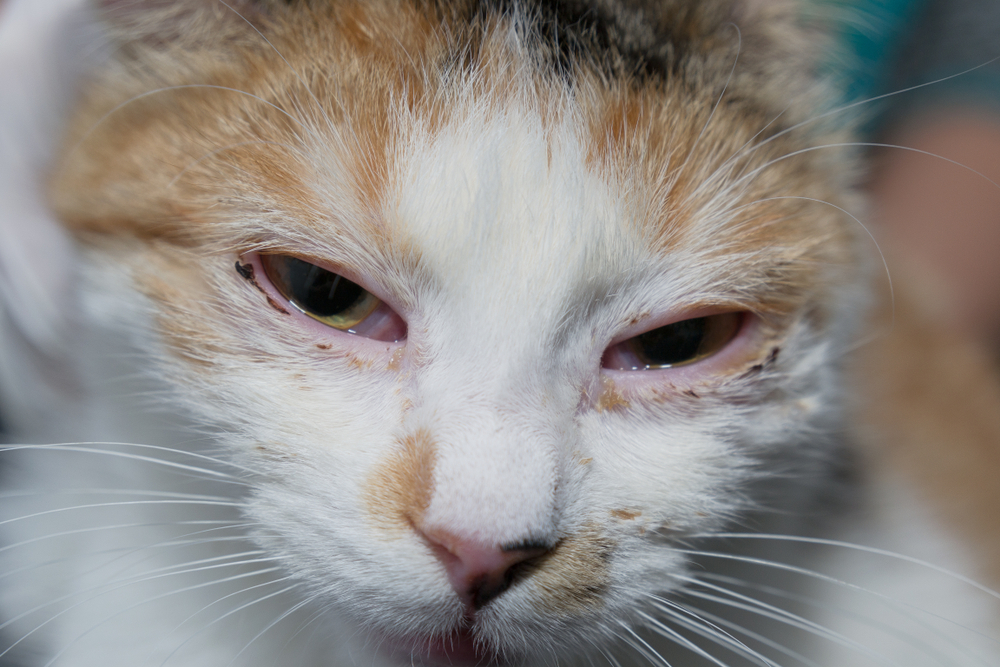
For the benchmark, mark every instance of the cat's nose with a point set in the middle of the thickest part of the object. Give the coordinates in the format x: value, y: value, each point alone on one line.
x: 477, y: 572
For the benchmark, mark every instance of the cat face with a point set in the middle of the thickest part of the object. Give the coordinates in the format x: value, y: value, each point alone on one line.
x: 497, y: 303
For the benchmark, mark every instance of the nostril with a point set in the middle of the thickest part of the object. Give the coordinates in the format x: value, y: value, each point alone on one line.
x: 479, y: 573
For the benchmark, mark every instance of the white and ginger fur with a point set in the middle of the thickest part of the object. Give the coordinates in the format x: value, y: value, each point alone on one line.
x: 297, y: 502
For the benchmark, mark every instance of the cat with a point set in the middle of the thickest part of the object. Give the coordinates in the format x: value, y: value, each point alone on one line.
x: 427, y: 332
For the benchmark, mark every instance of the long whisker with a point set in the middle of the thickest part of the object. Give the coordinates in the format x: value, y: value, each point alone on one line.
x: 678, y: 614
x: 860, y: 144
x: 868, y: 621
x: 855, y: 547
x: 885, y: 264
x: 315, y: 616
x: 912, y: 612
x: 108, y: 491
x: 117, y: 587
x: 147, y: 601
x: 642, y: 646
x: 695, y: 623
x: 231, y: 611
x: 90, y: 448
x: 766, y: 641
x: 285, y: 615
x: 610, y: 658
x: 221, y: 523
x: 792, y: 620
x: 870, y: 100
x: 126, y: 551
x: 799, y: 621
x: 715, y: 107
x: 124, y: 503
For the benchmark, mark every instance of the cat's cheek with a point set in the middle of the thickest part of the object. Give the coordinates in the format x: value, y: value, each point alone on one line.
x: 381, y: 334
x: 752, y: 348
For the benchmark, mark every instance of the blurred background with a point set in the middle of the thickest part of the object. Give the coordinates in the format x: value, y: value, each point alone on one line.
x: 934, y: 181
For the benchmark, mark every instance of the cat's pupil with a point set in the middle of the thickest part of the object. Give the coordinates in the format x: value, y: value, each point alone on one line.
x: 672, y: 344
x: 319, y: 293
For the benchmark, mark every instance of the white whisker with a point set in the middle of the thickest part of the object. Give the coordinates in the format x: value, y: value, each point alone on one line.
x: 792, y: 620
x: 89, y: 448
x: 715, y: 635
x: 715, y: 107
x: 293, y: 609
x: 153, y: 575
x: 870, y: 100
x: 642, y: 646
x: 865, y: 620
x: 231, y: 611
x: 757, y: 637
x: 123, y: 503
x: 222, y: 524
x: 856, y: 547
x: 108, y: 588
x: 885, y: 264
x: 859, y: 144
x: 771, y: 611
x: 694, y: 622
x: 153, y: 599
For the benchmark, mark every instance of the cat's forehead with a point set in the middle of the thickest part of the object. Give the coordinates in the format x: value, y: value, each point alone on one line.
x: 505, y: 178
x: 458, y: 142
x: 509, y: 193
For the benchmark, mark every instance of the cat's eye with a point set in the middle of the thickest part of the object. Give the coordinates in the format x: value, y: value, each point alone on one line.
x: 677, y: 344
x: 331, y: 299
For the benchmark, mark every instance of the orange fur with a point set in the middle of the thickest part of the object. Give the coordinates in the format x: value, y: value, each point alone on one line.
x: 399, y: 491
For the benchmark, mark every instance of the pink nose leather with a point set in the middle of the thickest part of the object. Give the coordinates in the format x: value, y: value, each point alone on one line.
x: 479, y: 573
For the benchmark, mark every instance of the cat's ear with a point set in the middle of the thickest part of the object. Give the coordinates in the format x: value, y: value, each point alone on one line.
x: 182, y: 22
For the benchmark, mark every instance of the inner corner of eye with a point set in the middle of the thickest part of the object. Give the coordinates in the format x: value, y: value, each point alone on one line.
x: 676, y: 344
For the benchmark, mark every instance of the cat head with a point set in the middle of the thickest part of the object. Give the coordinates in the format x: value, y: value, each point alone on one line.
x: 498, y: 300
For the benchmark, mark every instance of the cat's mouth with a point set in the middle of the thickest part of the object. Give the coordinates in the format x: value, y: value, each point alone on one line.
x: 459, y: 649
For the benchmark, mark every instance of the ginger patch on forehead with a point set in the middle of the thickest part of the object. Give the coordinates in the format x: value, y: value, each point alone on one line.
x: 730, y: 178
x: 755, y: 215
x: 399, y: 490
